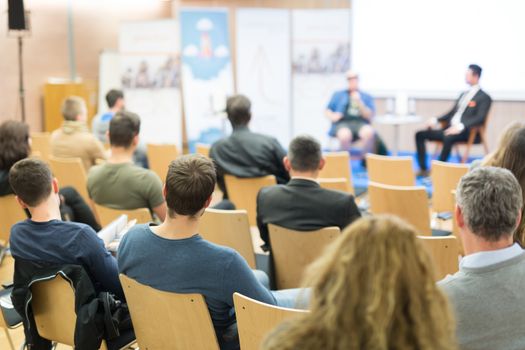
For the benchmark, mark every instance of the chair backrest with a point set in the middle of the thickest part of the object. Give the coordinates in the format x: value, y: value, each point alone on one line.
x: 229, y: 228
x: 10, y: 213
x: 160, y: 157
x: 337, y: 165
x: 70, y: 172
x: 108, y: 215
x: 338, y: 184
x: 255, y: 319
x: 395, y: 171
x: 41, y: 143
x: 243, y: 192
x: 293, y: 251
x: 410, y: 203
x: 164, y: 320
x: 54, y: 309
x: 445, y: 178
x: 444, y: 254
x: 203, y: 149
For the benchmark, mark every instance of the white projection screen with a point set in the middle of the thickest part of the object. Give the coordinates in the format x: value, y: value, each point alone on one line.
x: 422, y: 47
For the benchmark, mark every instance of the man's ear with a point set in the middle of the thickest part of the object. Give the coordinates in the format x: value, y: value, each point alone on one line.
x: 164, y: 191
x: 21, y: 202
x: 286, y: 163
x: 136, y: 140
x: 55, y: 185
x: 458, y: 215
x: 322, y: 163
x: 208, y: 202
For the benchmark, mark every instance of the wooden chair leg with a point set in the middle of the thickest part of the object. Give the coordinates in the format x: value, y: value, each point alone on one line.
x: 8, y: 336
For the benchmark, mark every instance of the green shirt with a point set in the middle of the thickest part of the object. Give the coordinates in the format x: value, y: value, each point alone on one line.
x: 124, y: 186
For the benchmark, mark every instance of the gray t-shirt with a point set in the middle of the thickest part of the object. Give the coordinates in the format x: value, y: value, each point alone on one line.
x: 191, y: 265
x: 489, y: 305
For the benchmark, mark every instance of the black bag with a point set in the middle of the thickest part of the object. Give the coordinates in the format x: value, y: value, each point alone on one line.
x: 116, y: 315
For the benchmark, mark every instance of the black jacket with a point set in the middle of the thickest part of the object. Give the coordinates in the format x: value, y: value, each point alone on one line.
x: 475, y: 113
x: 303, y: 205
x: 89, y: 328
x: 248, y: 154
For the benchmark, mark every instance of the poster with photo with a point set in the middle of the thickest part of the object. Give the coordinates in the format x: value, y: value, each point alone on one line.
x: 320, y: 57
x: 150, y: 77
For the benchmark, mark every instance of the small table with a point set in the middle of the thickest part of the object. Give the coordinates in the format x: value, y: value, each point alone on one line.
x: 396, y: 121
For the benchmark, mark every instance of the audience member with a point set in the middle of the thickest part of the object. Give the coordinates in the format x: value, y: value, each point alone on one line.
x: 470, y: 110
x: 371, y: 289
x: 245, y: 153
x: 45, y: 238
x: 513, y: 159
x: 495, y: 157
x: 351, y: 111
x: 487, y: 292
x: 302, y: 204
x: 73, y: 139
x: 120, y: 184
x: 14, y: 146
x: 100, y: 124
x: 174, y: 257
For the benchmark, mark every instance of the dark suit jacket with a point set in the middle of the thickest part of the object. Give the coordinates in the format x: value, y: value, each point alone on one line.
x: 303, y: 205
x: 248, y: 154
x: 475, y: 113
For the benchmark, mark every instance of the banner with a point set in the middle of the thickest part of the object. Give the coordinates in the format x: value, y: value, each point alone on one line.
x: 321, y: 56
x: 264, y: 70
x: 150, y: 77
x: 206, y: 72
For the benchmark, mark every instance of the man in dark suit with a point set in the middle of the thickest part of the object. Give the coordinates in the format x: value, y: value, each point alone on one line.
x: 302, y: 204
x: 245, y: 153
x: 470, y: 110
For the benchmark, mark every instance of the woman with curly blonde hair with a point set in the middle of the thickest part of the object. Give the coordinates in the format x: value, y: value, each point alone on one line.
x: 373, y: 288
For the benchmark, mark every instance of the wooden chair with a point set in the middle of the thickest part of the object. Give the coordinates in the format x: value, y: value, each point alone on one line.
x: 70, y: 172
x: 243, y: 192
x: 255, y: 320
x: 293, y: 251
x: 444, y: 254
x: 41, y: 144
x: 387, y: 170
x: 164, y: 320
x: 410, y: 203
x: 10, y: 214
x: 53, y: 306
x: 108, y: 215
x: 160, y: 157
x: 229, y: 228
x: 337, y: 184
x: 203, y: 149
x: 337, y: 165
x: 475, y: 131
x: 445, y: 178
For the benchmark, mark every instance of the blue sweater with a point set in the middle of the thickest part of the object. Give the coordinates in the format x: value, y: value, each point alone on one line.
x: 191, y: 265
x: 61, y: 242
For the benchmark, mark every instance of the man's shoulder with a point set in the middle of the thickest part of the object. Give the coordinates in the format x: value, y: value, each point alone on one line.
x: 483, y: 95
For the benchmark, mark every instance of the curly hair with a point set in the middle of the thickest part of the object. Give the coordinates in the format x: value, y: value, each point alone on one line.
x: 14, y: 143
x: 373, y: 288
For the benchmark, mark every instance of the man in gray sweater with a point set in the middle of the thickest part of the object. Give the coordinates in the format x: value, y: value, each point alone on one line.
x: 488, y: 292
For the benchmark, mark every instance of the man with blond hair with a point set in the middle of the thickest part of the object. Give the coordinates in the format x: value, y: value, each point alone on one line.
x: 73, y: 139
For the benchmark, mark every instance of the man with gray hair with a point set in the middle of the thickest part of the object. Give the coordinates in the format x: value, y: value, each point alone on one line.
x: 487, y: 292
x: 245, y: 153
x: 302, y: 204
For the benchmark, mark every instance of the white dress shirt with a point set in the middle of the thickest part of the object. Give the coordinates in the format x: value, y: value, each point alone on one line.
x: 483, y: 259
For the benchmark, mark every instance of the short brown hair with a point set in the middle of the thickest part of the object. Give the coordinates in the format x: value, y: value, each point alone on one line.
x: 123, y: 127
x: 31, y: 181
x: 72, y: 107
x: 190, y: 182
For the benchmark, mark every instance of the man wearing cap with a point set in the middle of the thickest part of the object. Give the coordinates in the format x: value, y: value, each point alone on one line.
x: 350, y: 112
